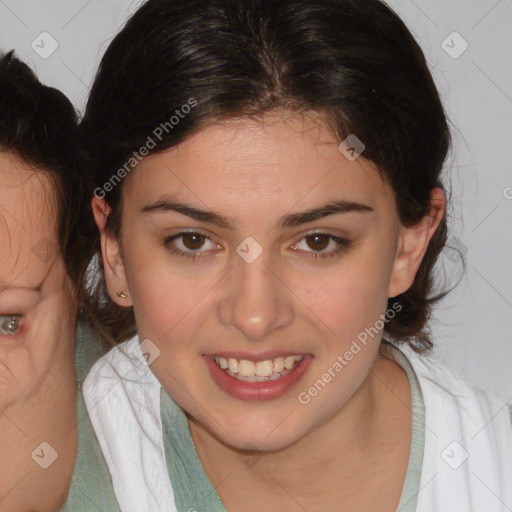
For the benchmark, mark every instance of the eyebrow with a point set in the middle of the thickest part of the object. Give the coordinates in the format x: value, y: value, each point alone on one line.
x: 288, y: 220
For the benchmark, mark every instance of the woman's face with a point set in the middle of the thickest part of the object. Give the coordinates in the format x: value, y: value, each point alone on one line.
x: 251, y: 283
x: 35, y: 295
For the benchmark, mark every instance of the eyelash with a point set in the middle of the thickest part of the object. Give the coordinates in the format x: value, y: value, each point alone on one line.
x: 6, y: 320
x: 343, y: 244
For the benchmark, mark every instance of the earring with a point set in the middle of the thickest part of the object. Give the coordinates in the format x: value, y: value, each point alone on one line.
x: 122, y: 295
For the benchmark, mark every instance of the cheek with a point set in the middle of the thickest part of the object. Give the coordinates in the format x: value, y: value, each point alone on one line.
x: 12, y: 374
x: 350, y: 297
x: 21, y: 368
x: 164, y: 299
x: 38, y: 350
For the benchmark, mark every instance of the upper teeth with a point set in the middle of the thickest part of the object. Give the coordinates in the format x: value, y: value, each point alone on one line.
x: 266, y: 368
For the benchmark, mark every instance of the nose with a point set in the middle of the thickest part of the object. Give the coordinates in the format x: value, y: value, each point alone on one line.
x: 256, y: 301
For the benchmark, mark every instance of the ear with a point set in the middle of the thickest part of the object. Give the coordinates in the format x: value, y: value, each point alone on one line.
x: 113, y: 263
x: 413, y: 243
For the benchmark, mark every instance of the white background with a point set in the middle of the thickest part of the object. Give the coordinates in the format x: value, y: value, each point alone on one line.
x: 473, y: 326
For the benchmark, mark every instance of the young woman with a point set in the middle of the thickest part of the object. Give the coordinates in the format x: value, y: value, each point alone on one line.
x: 269, y: 198
x: 47, y: 446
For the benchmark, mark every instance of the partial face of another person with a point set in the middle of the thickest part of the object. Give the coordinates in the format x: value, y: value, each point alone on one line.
x: 35, y: 291
x: 304, y: 250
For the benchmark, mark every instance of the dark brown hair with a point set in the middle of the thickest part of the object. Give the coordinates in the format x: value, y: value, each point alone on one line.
x: 352, y: 61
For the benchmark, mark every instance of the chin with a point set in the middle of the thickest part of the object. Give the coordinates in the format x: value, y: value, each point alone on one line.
x: 261, y: 434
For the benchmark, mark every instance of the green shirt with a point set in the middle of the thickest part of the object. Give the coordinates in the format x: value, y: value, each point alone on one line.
x: 91, y: 485
x: 194, y: 491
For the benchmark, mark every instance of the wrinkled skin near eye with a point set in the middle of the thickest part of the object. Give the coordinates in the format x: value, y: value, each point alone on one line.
x: 35, y: 294
x: 37, y: 334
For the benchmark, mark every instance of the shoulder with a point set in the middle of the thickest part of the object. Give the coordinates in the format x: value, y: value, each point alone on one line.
x: 124, y: 360
x: 441, y: 386
x: 91, y: 482
x: 122, y: 396
x: 468, y: 438
x: 119, y: 378
x: 448, y: 395
x: 430, y: 368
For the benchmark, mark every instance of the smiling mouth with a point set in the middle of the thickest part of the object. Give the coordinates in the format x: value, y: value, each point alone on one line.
x: 259, y: 371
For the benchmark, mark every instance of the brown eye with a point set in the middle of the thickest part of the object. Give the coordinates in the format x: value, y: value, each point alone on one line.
x: 193, y: 241
x: 318, y: 241
x: 322, y: 245
x: 190, y: 244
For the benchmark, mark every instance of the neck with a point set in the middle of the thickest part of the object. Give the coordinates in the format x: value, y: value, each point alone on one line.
x: 36, y: 428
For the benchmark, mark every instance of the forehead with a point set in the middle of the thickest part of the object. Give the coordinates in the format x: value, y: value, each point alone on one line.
x: 282, y: 155
x: 27, y: 221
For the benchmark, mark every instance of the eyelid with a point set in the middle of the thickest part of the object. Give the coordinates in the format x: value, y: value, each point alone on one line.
x: 19, y: 301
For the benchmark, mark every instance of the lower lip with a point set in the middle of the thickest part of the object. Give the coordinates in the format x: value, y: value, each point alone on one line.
x: 256, y: 390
